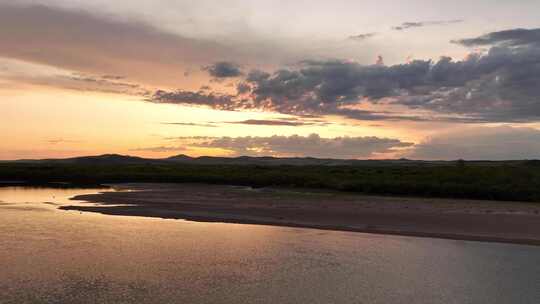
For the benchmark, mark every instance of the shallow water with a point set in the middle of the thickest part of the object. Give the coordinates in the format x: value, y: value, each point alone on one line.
x: 53, y: 256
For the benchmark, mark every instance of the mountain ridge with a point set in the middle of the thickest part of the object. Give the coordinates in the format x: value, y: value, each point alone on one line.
x: 118, y: 159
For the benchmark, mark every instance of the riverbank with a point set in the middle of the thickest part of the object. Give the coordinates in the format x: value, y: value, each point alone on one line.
x: 509, y: 222
x: 500, y: 181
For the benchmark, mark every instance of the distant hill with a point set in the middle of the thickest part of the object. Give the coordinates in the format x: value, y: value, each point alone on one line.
x: 275, y: 161
x: 116, y: 159
x: 88, y: 160
x: 209, y: 160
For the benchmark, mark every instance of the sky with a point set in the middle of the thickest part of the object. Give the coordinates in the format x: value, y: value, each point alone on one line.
x: 356, y: 79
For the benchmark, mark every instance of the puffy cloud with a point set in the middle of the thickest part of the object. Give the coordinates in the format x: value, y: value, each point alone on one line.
x: 300, y: 146
x: 480, y: 143
x: 316, y: 90
x: 500, y: 85
x: 224, y: 69
x: 328, y: 87
x: 319, y: 87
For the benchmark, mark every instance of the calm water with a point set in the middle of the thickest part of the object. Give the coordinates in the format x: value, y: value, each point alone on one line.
x: 53, y: 256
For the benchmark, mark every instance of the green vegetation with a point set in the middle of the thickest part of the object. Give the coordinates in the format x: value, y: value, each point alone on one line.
x: 519, y: 181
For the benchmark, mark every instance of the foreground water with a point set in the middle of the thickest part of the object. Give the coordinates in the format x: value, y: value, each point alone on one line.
x: 53, y: 256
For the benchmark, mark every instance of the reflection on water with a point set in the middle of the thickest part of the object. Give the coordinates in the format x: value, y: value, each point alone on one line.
x: 70, y: 257
x: 29, y: 195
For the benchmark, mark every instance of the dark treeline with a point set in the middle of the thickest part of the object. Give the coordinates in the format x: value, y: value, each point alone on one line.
x: 512, y: 181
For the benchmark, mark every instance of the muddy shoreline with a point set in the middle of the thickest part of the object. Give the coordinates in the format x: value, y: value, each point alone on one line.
x: 508, y: 222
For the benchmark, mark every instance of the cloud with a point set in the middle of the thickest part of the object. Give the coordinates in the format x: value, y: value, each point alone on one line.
x: 272, y: 122
x: 328, y: 87
x: 500, y: 85
x: 318, y: 87
x: 223, y: 69
x: 301, y: 146
x: 19, y: 71
x: 211, y: 99
x: 508, y: 38
x: 225, y: 102
x: 113, y: 77
x: 61, y: 141
x: 106, y: 84
x: 187, y: 138
x: 99, y: 45
x: 189, y: 124
x: 480, y: 143
x: 292, y: 122
x: 159, y: 149
x: 362, y: 37
x: 243, y: 88
x: 408, y: 25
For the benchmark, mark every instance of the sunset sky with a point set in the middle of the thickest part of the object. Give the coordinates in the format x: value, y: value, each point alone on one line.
x: 421, y: 79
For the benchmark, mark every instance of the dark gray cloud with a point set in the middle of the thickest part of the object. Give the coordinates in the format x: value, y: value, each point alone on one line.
x: 227, y: 102
x: 479, y: 143
x: 300, y: 146
x: 500, y: 85
x: 508, y: 38
x: 326, y: 87
x: 224, y: 69
x: 362, y: 37
x: 408, y: 25
x: 210, y: 99
x: 243, y: 88
x: 316, y: 88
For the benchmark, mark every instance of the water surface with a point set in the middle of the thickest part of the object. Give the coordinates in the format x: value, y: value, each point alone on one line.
x: 53, y: 256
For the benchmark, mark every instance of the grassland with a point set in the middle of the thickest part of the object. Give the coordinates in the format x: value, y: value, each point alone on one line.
x: 511, y: 181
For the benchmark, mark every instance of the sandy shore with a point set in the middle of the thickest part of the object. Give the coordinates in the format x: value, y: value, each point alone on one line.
x: 510, y: 222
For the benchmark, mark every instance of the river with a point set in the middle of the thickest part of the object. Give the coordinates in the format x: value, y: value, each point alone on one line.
x: 53, y: 256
